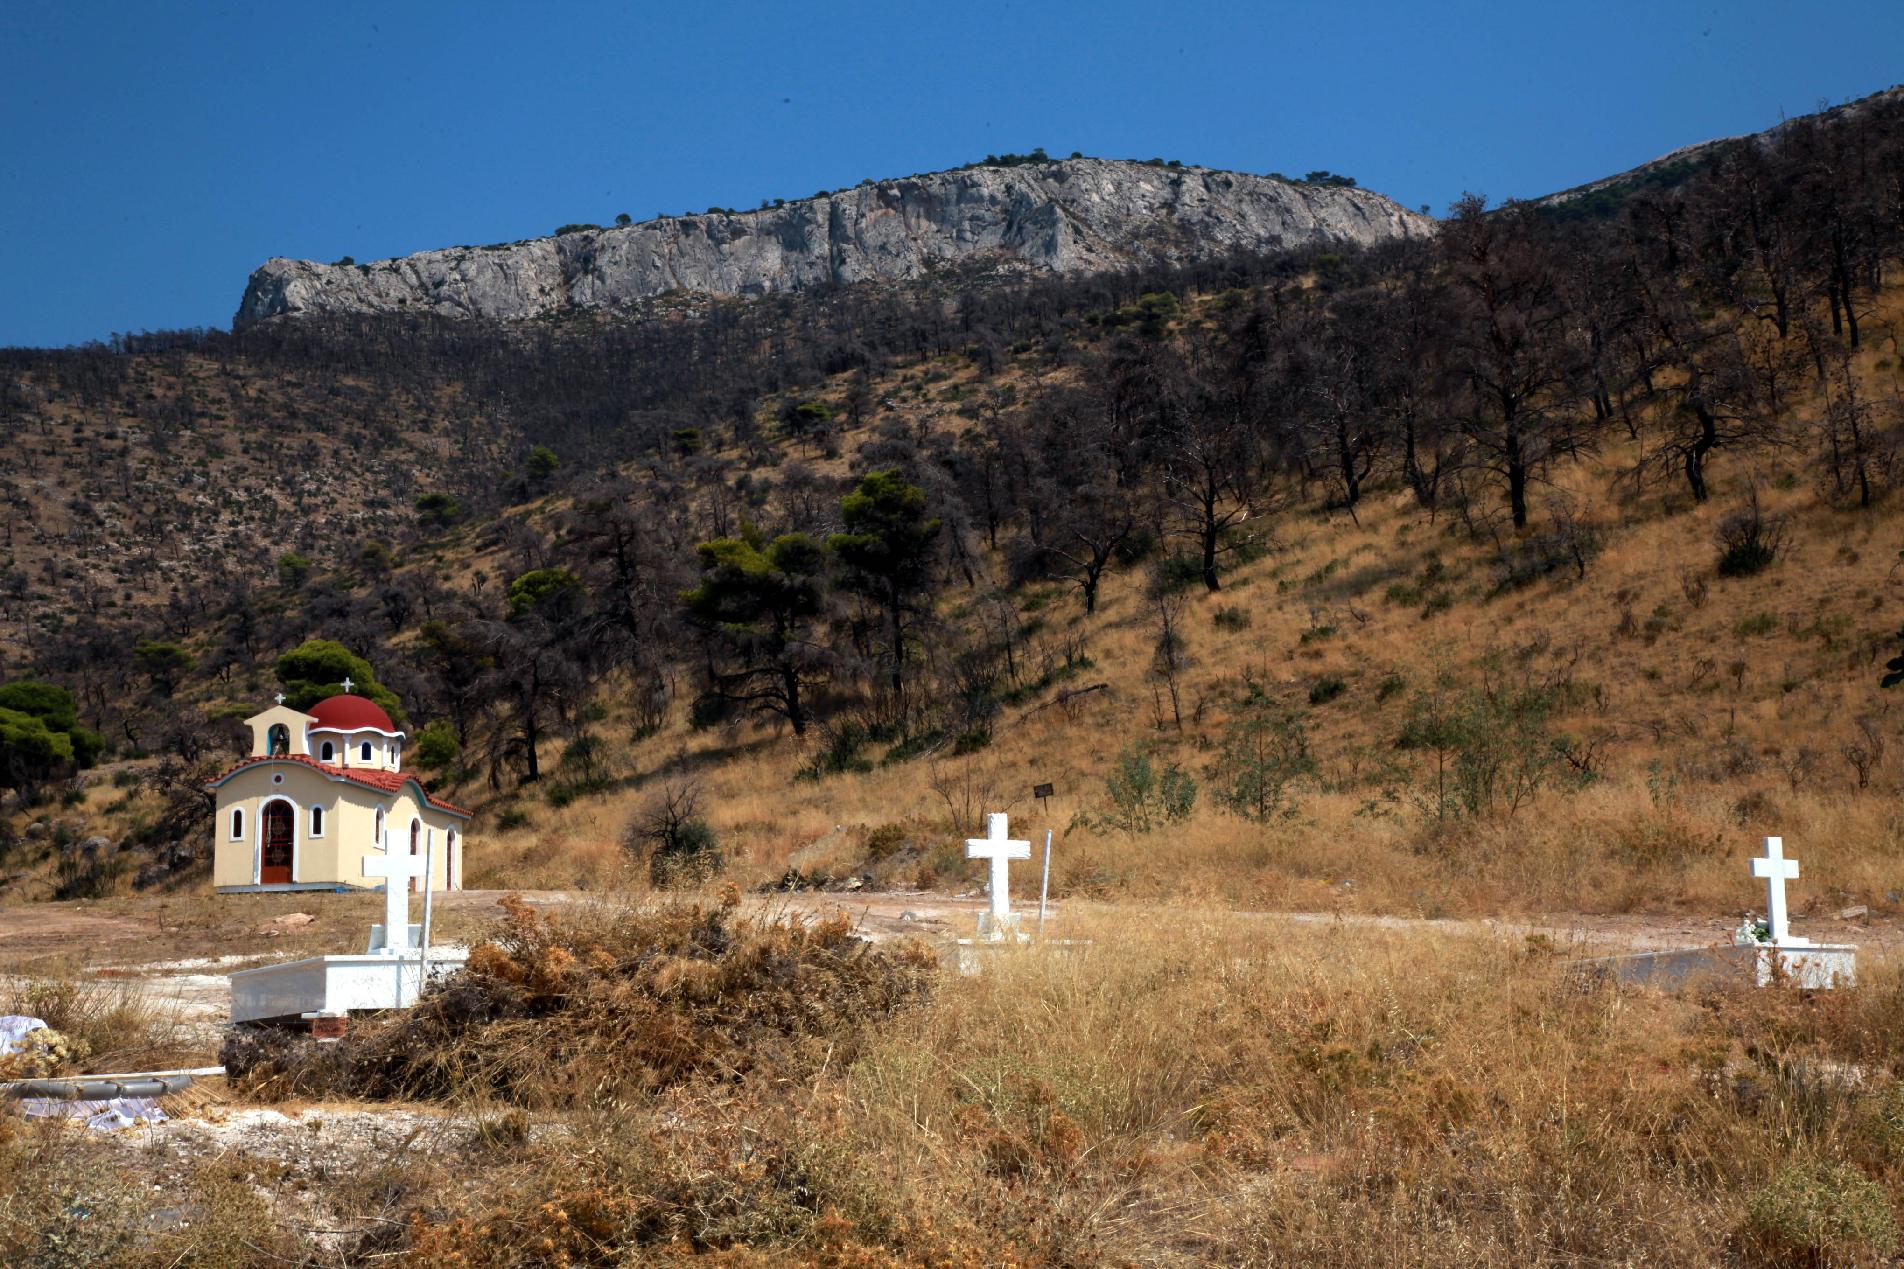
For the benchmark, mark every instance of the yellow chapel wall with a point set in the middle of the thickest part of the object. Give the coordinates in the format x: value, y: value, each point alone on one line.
x: 349, y: 833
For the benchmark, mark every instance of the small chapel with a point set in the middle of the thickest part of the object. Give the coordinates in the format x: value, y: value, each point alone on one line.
x: 320, y: 793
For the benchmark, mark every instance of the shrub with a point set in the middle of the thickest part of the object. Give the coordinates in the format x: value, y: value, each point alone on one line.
x: 1142, y: 796
x: 682, y: 849
x: 1326, y: 689
x: 972, y: 740
x: 293, y: 570
x: 841, y: 754
x: 1815, y: 1212
x: 1264, y: 751
x: 1231, y: 617
x: 436, y: 746
x: 439, y: 510
x: 1749, y: 540
x: 885, y: 841
x: 542, y: 463
x: 1178, y: 573
x: 1492, y: 747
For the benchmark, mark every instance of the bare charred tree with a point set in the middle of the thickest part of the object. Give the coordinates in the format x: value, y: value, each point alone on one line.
x: 1510, y: 343
x: 1216, y: 442
x: 1707, y: 388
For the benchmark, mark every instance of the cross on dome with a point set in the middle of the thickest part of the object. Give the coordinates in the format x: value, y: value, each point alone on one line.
x: 348, y: 685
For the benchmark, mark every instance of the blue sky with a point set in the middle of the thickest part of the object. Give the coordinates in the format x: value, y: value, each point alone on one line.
x: 152, y: 154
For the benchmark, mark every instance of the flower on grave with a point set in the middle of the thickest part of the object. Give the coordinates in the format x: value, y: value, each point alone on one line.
x: 1752, y: 932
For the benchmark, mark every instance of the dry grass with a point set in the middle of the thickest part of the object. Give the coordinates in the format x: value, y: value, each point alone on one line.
x: 1714, y: 711
x: 1714, y: 717
x: 112, y: 1025
x: 1203, y: 1089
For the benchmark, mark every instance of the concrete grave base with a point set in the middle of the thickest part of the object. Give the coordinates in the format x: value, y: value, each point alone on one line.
x: 973, y: 953
x: 335, y: 985
x: 1813, y: 966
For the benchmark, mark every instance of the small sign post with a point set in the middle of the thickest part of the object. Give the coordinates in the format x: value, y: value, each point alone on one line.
x: 1044, y: 886
x: 1043, y: 793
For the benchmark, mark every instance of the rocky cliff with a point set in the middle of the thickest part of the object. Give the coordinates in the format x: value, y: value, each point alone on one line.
x: 1077, y: 215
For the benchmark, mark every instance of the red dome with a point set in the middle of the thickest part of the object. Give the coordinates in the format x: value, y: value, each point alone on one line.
x: 350, y: 713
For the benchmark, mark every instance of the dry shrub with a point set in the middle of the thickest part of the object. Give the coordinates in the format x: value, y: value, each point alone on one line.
x: 613, y: 1002
x: 115, y: 1024
x: 63, y: 1202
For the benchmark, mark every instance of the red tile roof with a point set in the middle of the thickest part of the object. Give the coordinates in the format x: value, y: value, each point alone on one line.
x: 369, y: 777
x: 351, y: 713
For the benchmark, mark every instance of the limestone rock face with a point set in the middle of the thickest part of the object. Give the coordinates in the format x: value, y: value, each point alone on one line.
x: 1072, y: 216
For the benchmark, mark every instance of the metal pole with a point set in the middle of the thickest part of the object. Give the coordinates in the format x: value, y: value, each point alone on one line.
x: 423, y: 950
x: 1044, y: 886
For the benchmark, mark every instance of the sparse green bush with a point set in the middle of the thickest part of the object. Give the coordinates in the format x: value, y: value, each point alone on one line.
x: 972, y: 740
x: 1813, y: 1213
x: 1265, y: 750
x: 841, y: 754
x: 682, y: 848
x: 1143, y: 796
x: 1491, y: 747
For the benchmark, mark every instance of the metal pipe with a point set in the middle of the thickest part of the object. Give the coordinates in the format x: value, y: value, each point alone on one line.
x: 100, y: 1088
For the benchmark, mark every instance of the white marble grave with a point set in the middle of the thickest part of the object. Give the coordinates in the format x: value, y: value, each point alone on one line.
x: 1000, y: 923
x: 388, y: 975
x: 1766, y: 955
x: 1782, y: 956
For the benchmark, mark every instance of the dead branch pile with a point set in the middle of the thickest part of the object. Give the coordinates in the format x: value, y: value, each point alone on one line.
x: 618, y: 1002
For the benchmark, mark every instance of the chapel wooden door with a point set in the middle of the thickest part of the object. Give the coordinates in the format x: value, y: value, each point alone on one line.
x: 274, y: 867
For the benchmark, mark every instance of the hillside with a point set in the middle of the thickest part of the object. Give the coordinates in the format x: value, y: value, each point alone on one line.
x: 1608, y: 193
x: 1536, y: 565
x: 1067, y: 216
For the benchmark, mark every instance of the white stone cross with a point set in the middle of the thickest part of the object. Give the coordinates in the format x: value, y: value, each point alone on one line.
x: 348, y: 684
x: 1777, y: 870
x: 396, y: 868
x: 998, y: 847
x: 280, y: 698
